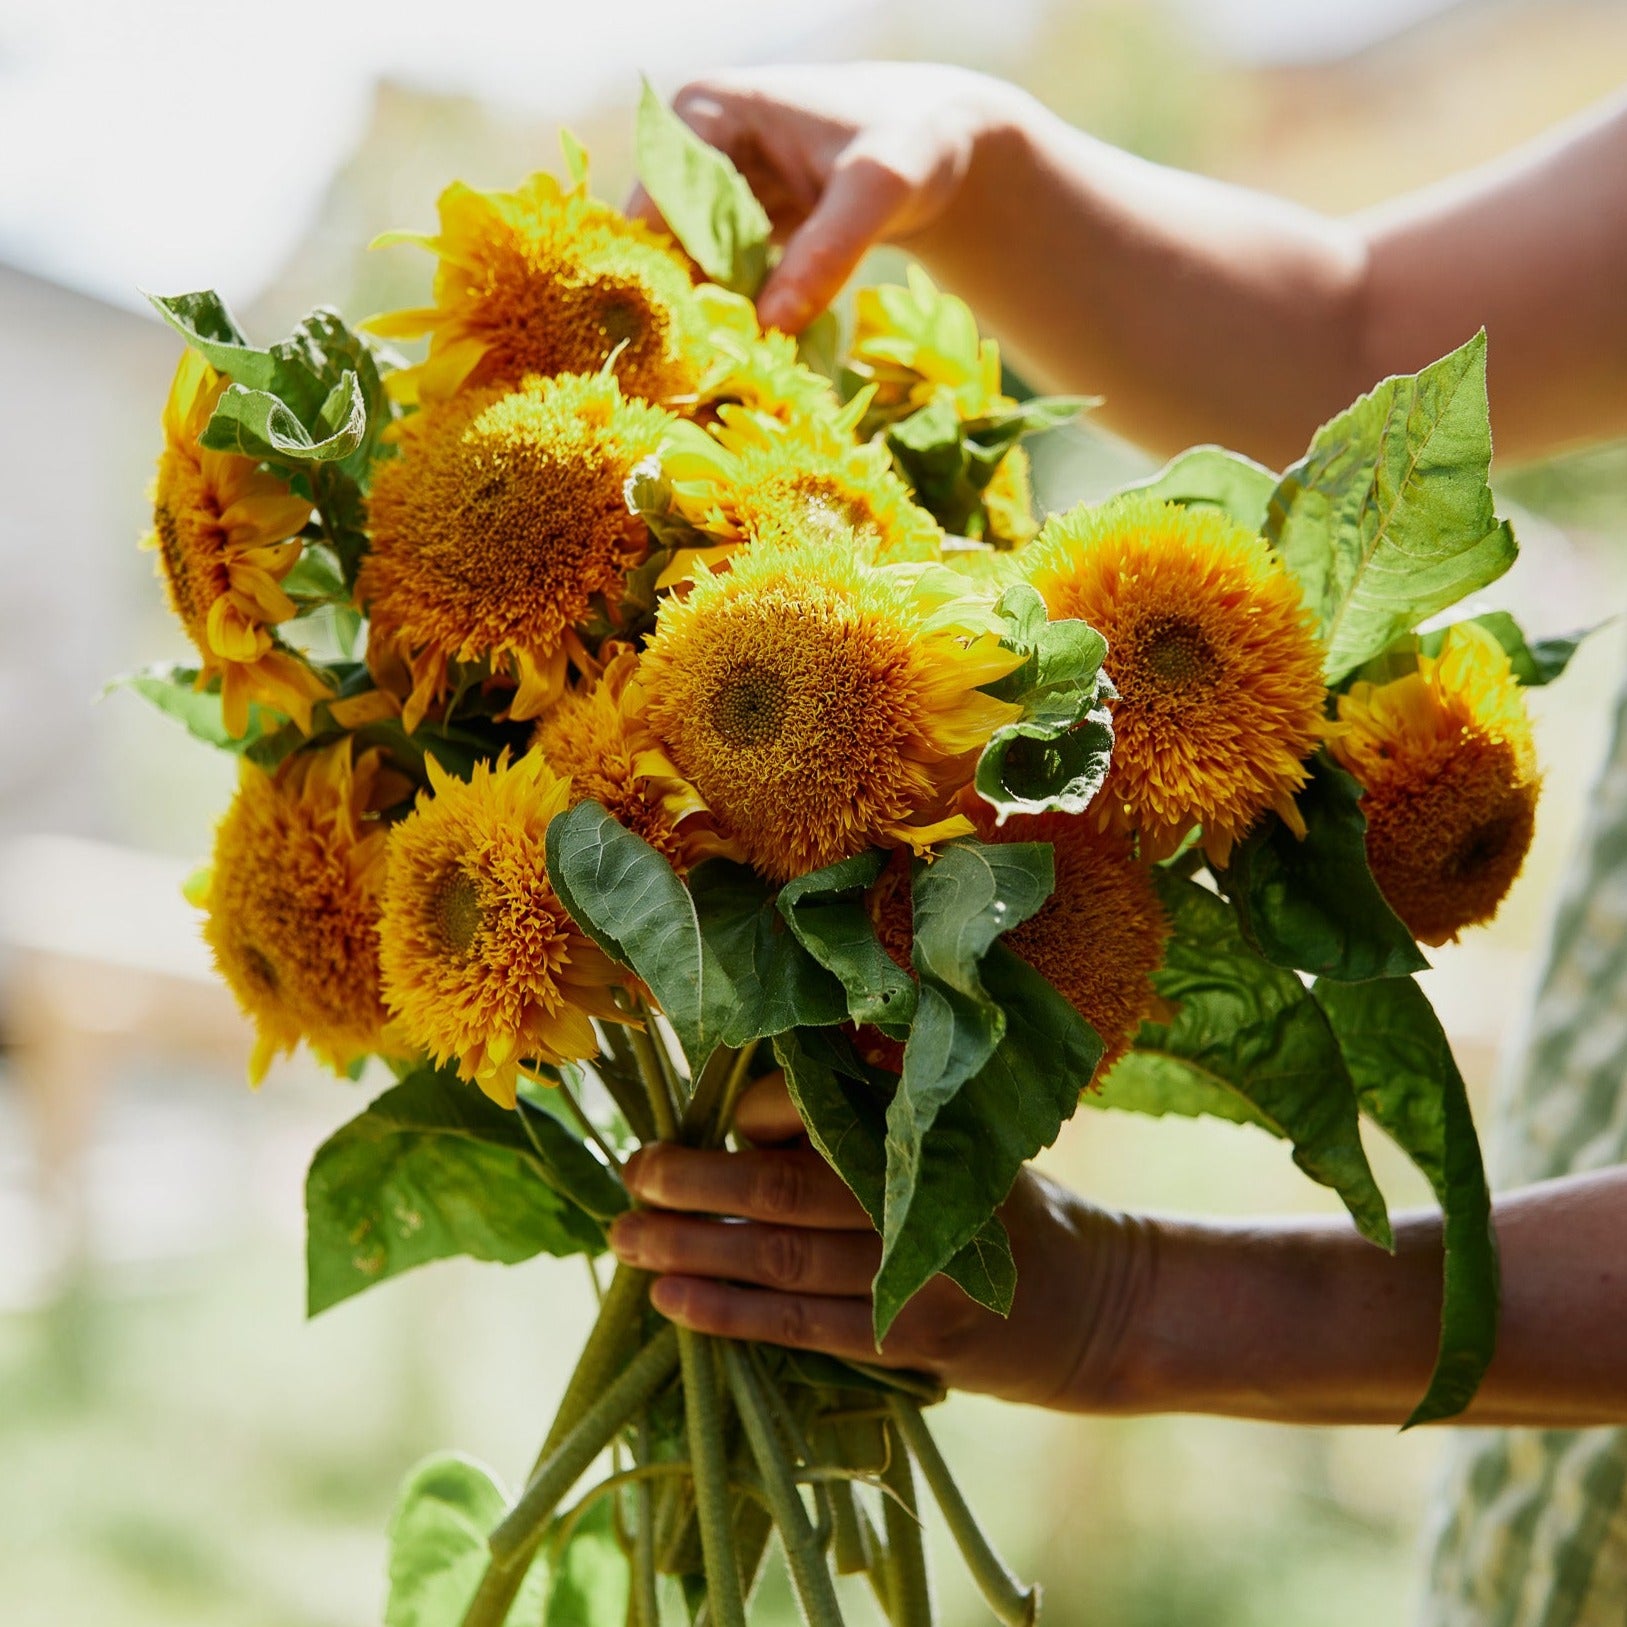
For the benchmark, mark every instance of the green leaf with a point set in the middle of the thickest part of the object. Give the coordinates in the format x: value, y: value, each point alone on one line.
x: 1312, y: 904
x: 826, y: 910
x: 943, y: 1190
x: 1408, y: 1084
x: 628, y: 899
x: 1533, y: 665
x: 567, y: 1164
x: 1250, y: 1030
x: 704, y: 199
x: 172, y: 689
x: 1157, y: 1084
x: 1388, y: 518
x: 257, y: 424
x: 588, y: 1584
x: 843, y: 1106
x: 203, y: 320
x: 963, y: 901
x: 819, y: 345
x: 315, y: 577
x: 438, y: 1550
x: 432, y: 1169
x: 928, y: 449
x: 1212, y: 477
x: 1057, y: 754
x: 775, y: 983
x: 989, y: 438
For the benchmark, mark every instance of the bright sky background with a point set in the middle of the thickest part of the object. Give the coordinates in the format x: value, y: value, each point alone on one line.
x: 176, y: 144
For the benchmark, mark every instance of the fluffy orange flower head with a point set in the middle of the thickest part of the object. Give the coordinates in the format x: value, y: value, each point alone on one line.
x: 227, y: 533
x: 501, y: 526
x: 821, y: 705
x: 1215, y: 658
x: 481, y: 963
x: 1449, y: 782
x: 292, y: 903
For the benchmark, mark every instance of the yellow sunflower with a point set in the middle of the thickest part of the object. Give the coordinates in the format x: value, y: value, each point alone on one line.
x: 1449, y: 782
x: 821, y: 705
x: 593, y: 739
x: 481, y: 962
x: 752, y: 475
x: 756, y: 370
x: 546, y: 279
x: 226, y: 533
x: 915, y: 341
x: 1215, y: 657
x: 1008, y: 502
x: 292, y: 902
x: 501, y: 525
x: 1100, y: 936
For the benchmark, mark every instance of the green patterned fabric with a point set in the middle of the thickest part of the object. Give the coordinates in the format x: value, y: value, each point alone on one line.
x: 1532, y: 1524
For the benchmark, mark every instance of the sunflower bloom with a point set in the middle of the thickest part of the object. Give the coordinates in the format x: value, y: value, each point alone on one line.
x: 593, y: 739
x: 756, y: 370
x: 226, y: 533
x: 753, y: 475
x: 501, y: 526
x: 292, y: 903
x: 546, y: 280
x: 1449, y: 783
x: 820, y: 705
x: 1008, y: 502
x: 1100, y: 936
x: 481, y: 963
x: 915, y: 342
x: 1215, y: 659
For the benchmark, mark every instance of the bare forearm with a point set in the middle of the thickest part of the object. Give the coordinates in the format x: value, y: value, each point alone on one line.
x: 1203, y: 311
x: 1302, y: 1322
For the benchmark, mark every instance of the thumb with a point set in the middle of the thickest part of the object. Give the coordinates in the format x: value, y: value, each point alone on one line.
x: 858, y: 206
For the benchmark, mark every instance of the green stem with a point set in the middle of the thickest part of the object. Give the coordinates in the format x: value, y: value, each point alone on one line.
x: 620, y: 1314
x: 790, y: 1431
x: 804, y: 1553
x: 663, y: 1057
x: 516, y: 1538
x: 710, y: 1085
x: 589, y: 1128
x: 646, y: 1602
x: 651, y: 1071
x: 848, y: 1548
x: 1013, y: 1604
x: 622, y: 1079
x: 734, y: 1087
x: 703, y: 1411
x: 904, y: 1582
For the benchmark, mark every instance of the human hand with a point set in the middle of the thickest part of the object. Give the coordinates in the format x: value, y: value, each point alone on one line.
x: 793, y: 1262
x: 843, y: 157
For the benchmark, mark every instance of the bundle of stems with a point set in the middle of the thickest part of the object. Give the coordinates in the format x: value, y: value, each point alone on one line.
x: 727, y: 1444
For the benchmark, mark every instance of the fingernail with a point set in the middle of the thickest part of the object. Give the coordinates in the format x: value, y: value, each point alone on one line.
x: 627, y: 1238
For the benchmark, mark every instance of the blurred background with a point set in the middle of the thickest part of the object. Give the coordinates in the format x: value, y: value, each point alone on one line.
x: 179, y: 1445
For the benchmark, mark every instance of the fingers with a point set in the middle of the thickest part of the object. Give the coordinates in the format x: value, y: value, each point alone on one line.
x: 783, y: 1257
x: 837, y: 1326
x: 793, y: 1186
x: 766, y: 1114
x: 860, y: 203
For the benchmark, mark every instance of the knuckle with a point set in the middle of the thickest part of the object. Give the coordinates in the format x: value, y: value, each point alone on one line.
x: 783, y: 1258
x: 780, y: 1189
x: 791, y: 1323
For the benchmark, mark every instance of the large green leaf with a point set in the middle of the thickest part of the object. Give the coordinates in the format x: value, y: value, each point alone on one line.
x: 173, y: 690
x: 1211, y: 477
x: 588, y: 1584
x: 1311, y: 903
x: 704, y: 199
x: 826, y: 910
x: 628, y: 899
x: 261, y: 425
x: 1408, y: 1084
x: 843, y: 1106
x: 1388, y: 518
x: 944, y: 1189
x: 438, y: 1550
x: 433, y: 1169
x: 1057, y: 754
x: 775, y: 984
x: 1250, y: 1030
x: 1158, y: 1084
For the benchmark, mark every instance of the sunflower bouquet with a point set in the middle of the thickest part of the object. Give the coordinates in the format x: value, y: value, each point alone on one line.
x: 630, y: 700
